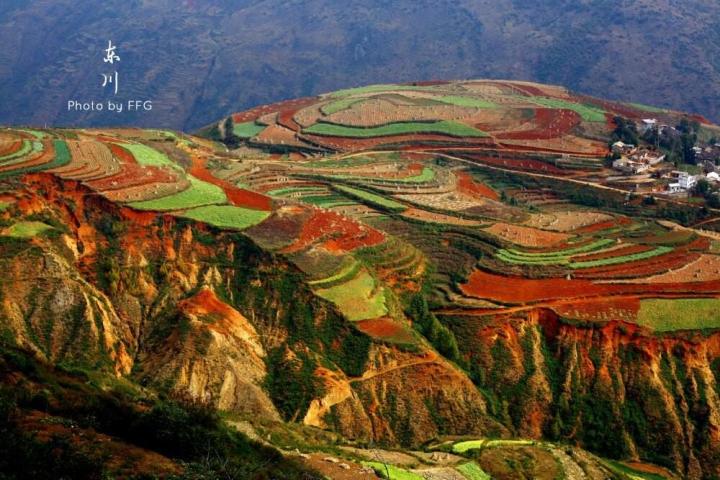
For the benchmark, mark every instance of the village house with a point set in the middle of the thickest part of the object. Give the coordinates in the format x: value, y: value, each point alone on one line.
x: 639, y: 160
x: 630, y: 167
x: 684, y: 182
x: 647, y: 124
x: 622, y: 148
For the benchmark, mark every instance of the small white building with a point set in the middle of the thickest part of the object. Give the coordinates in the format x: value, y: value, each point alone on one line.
x: 686, y: 180
x: 647, y: 124
x: 713, y: 177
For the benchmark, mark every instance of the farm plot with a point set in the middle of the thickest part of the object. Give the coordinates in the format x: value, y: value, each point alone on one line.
x: 467, y: 185
x: 22, y: 155
x: 90, y: 160
x: 379, y: 111
x: 442, y: 201
x: 148, y: 157
x: 588, y: 113
x: 132, y: 175
x: 443, y: 127
x: 472, y: 471
x: 247, y: 130
x: 558, y: 257
x: 600, y: 309
x: 706, y: 267
x: 26, y: 230
x: 372, y: 199
x: 334, y: 232
x: 358, y: 299
x: 548, y: 123
x: 440, y: 218
x: 566, y: 221
x: 679, y: 314
x: 198, y: 194
x: 9, y: 147
x: 527, y: 236
x: 226, y: 216
x: 52, y: 157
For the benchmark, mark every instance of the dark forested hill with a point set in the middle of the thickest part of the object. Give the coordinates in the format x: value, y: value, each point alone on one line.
x: 200, y: 59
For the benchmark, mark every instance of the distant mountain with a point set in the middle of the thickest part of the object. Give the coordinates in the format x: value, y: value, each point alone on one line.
x: 201, y: 59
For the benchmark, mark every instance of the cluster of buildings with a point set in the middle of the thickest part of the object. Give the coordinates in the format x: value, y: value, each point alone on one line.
x: 635, y: 160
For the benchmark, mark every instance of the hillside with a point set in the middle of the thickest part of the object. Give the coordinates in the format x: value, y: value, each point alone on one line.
x: 204, y: 58
x: 434, y: 280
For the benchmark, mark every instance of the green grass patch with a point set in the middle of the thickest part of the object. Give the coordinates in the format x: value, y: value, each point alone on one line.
x: 443, y: 127
x: 463, y: 447
x: 372, y: 198
x: 327, y: 201
x: 587, y: 112
x: 284, y: 192
x: 358, y: 299
x: 470, y: 102
x: 472, y: 471
x: 680, y: 314
x: 349, y: 269
x: 147, y: 156
x: 35, y: 133
x: 27, y: 229
x: 247, y: 130
x: 391, y: 472
x: 199, y: 194
x: 227, y: 216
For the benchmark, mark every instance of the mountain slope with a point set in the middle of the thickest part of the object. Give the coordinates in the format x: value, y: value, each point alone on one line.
x: 200, y: 59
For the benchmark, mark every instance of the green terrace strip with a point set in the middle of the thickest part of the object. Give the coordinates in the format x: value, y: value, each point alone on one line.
x: 327, y: 201
x: 199, y: 194
x: 622, y: 259
x: 427, y: 175
x: 442, y: 127
x: 391, y: 472
x: 62, y: 158
x: 147, y: 156
x: 349, y: 269
x: 4, y: 206
x: 34, y: 148
x: 646, y: 108
x: 470, y: 102
x: 372, y: 199
x: 227, y: 216
x: 247, y: 130
x: 463, y: 447
x: 379, y: 88
x: 590, y: 247
x: 587, y: 112
x: 35, y: 133
x: 339, y: 105
x: 472, y: 471
x: 358, y: 299
x: 679, y: 314
x: 284, y: 192
x: 24, y: 150
x: 27, y: 229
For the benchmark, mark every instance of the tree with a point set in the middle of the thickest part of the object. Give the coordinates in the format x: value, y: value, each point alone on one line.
x: 625, y: 131
x: 702, y: 187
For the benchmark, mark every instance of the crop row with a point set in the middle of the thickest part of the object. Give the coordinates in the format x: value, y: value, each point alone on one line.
x: 371, y: 198
x: 443, y: 127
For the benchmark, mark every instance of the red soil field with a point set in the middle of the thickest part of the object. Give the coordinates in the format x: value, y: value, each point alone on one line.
x: 468, y: 186
x: 405, y: 142
x: 515, y: 163
x: 133, y: 175
x: 259, y: 111
x: 550, y: 123
x: 385, y: 328
x: 121, y: 154
x: 508, y: 289
x: 237, y: 196
x: 339, y: 233
x: 597, y: 227
x: 47, y: 156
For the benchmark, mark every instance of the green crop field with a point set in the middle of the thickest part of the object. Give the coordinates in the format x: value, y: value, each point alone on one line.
x: 19, y: 157
x: 349, y: 269
x: 444, y: 127
x: 463, y: 447
x: 247, y: 129
x: 24, y: 150
x: 284, y: 192
x: 377, y: 88
x: 227, y: 216
x: 560, y: 257
x: 391, y: 472
x: 199, y: 194
x: 62, y: 158
x: 681, y: 314
x: 587, y: 112
x: 147, y: 156
x: 327, y: 201
x: 470, y: 102
x: 427, y: 175
x: 357, y: 299
x: 339, y: 105
x: 372, y: 198
x: 27, y: 229
x: 472, y: 471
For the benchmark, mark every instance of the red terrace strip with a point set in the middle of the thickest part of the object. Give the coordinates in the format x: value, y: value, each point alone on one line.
x: 10, y: 148
x: 524, y: 148
x: 237, y: 196
x: 121, y: 154
x: 515, y: 163
x: 640, y: 269
x: 467, y: 185
x: 597, y: 227
x: 613, y: 109
x: 550, y: 123
x: 256, y: 112
x: 515, y: 290
x: 274, y: 186
x: 343, y: 234
x: 132, y: 175
x: 405, y: 142
x: 33, y: 160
